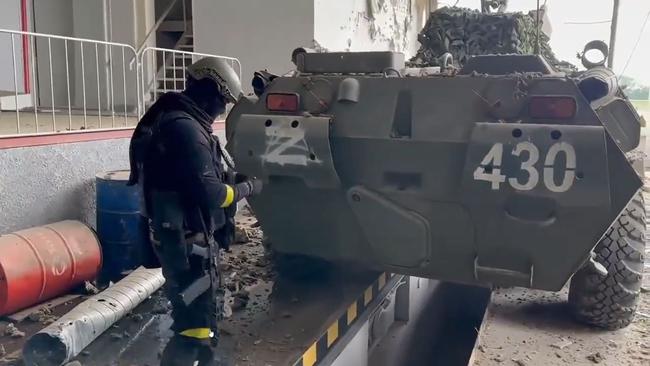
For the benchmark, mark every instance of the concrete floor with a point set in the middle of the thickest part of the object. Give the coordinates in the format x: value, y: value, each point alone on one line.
x: 530, y: 327
x: 60, y: 121
x: 289, y: 317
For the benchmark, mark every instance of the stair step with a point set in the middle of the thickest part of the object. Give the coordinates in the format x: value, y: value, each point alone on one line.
x: 174, y: 26
x: 177, y: 67
x: 171, y: 84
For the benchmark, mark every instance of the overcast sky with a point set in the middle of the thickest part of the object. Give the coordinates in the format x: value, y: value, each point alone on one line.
x: 567, y: 39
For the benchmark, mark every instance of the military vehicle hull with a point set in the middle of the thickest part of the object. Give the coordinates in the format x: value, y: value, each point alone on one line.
x: 494, y: 180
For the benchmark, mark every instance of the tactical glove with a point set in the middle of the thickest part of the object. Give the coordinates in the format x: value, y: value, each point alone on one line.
x: 247, y: 188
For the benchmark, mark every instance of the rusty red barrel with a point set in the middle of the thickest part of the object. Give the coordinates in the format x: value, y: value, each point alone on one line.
x: 40, y: 263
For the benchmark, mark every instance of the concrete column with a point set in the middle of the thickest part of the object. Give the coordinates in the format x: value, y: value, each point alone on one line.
x: 260, y: 33
x: 145, y: 20
x: 10, y: 19
x: 89, y: 22
x: 124, y: 22
x: 119, y: 21
x: 263, y: 33
x: 370, y: 25
x: 52, y: 17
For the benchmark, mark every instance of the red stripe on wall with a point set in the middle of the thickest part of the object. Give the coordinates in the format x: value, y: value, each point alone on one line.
x: 25, y: 40
x: 12, y: 142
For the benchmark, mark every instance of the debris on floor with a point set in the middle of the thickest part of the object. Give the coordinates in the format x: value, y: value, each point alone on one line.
x: 90, y: 289
x: 45, y: 307
x: 515, y: 315
x: 136, y: 317
x: 161, y: 305
x: 13, y: 332
x: 643, y: 315
x: 519, y: 362
x: 562, y: 344
x: 249, y: 264
x: 241, y: 235
x: 239, y: 300
x: 596, y: 357
x: 43, y: 315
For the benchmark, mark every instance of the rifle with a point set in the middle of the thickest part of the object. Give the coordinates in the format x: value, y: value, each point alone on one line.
x: 210, y: 280
x: 210, y: 253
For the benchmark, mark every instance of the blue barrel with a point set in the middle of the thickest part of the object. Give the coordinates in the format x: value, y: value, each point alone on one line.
x: 122, y: 230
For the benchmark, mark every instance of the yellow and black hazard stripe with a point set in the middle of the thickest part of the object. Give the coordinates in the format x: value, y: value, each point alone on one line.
x: 317, y: 351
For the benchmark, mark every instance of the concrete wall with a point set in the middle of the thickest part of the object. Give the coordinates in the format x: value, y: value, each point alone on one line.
x: 89, y: 22
x: 44, y: 184
x: 261, y: 33
x: 370, y: 25
x: 145, y: 20
x: 10, y: 19
x: 124, y: 28
x: 52, y: 17
x: 127, y: 22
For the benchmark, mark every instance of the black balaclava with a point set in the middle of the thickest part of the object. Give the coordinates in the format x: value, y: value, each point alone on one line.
x: 206, y: 95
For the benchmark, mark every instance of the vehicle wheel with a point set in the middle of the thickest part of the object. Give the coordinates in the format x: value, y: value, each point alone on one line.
x: 610, y: 301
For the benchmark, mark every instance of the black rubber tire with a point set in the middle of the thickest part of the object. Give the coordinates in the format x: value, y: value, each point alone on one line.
x: 610, y: 301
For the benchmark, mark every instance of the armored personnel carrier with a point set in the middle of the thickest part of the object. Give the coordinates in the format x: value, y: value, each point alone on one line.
x: 503, y: 173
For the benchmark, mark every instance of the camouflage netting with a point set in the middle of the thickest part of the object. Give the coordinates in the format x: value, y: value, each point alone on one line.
x: 465, y: 33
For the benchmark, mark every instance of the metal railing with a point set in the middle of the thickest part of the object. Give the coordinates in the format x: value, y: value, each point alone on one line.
x: 86, y: 83
x: 80, y: 84
x: 163, y: 70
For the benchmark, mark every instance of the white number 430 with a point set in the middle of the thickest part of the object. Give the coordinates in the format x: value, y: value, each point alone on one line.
x: 490, y: 168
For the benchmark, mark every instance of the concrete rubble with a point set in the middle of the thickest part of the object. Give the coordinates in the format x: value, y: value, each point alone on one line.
x: 12, y: 331
x: 43, y: 316
x: 246, y: 266
x: 90, y: 289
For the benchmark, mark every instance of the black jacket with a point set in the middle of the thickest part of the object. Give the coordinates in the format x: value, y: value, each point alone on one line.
x: 173, y: 150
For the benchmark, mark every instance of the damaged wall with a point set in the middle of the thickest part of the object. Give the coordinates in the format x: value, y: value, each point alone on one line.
x: 263, y: 33
x: 370, y: 25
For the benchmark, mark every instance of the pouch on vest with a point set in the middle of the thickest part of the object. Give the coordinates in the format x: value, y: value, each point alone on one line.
x: 167, y: 223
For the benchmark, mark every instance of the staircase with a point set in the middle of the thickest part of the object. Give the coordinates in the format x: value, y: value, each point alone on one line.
x: 173, y: 31
x: 172, y: 71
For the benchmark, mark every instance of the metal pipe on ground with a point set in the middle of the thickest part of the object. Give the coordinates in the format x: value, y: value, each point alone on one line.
x: 63, y: 340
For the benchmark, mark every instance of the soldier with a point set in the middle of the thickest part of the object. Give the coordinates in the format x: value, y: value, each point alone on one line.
x: 190, y: 201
